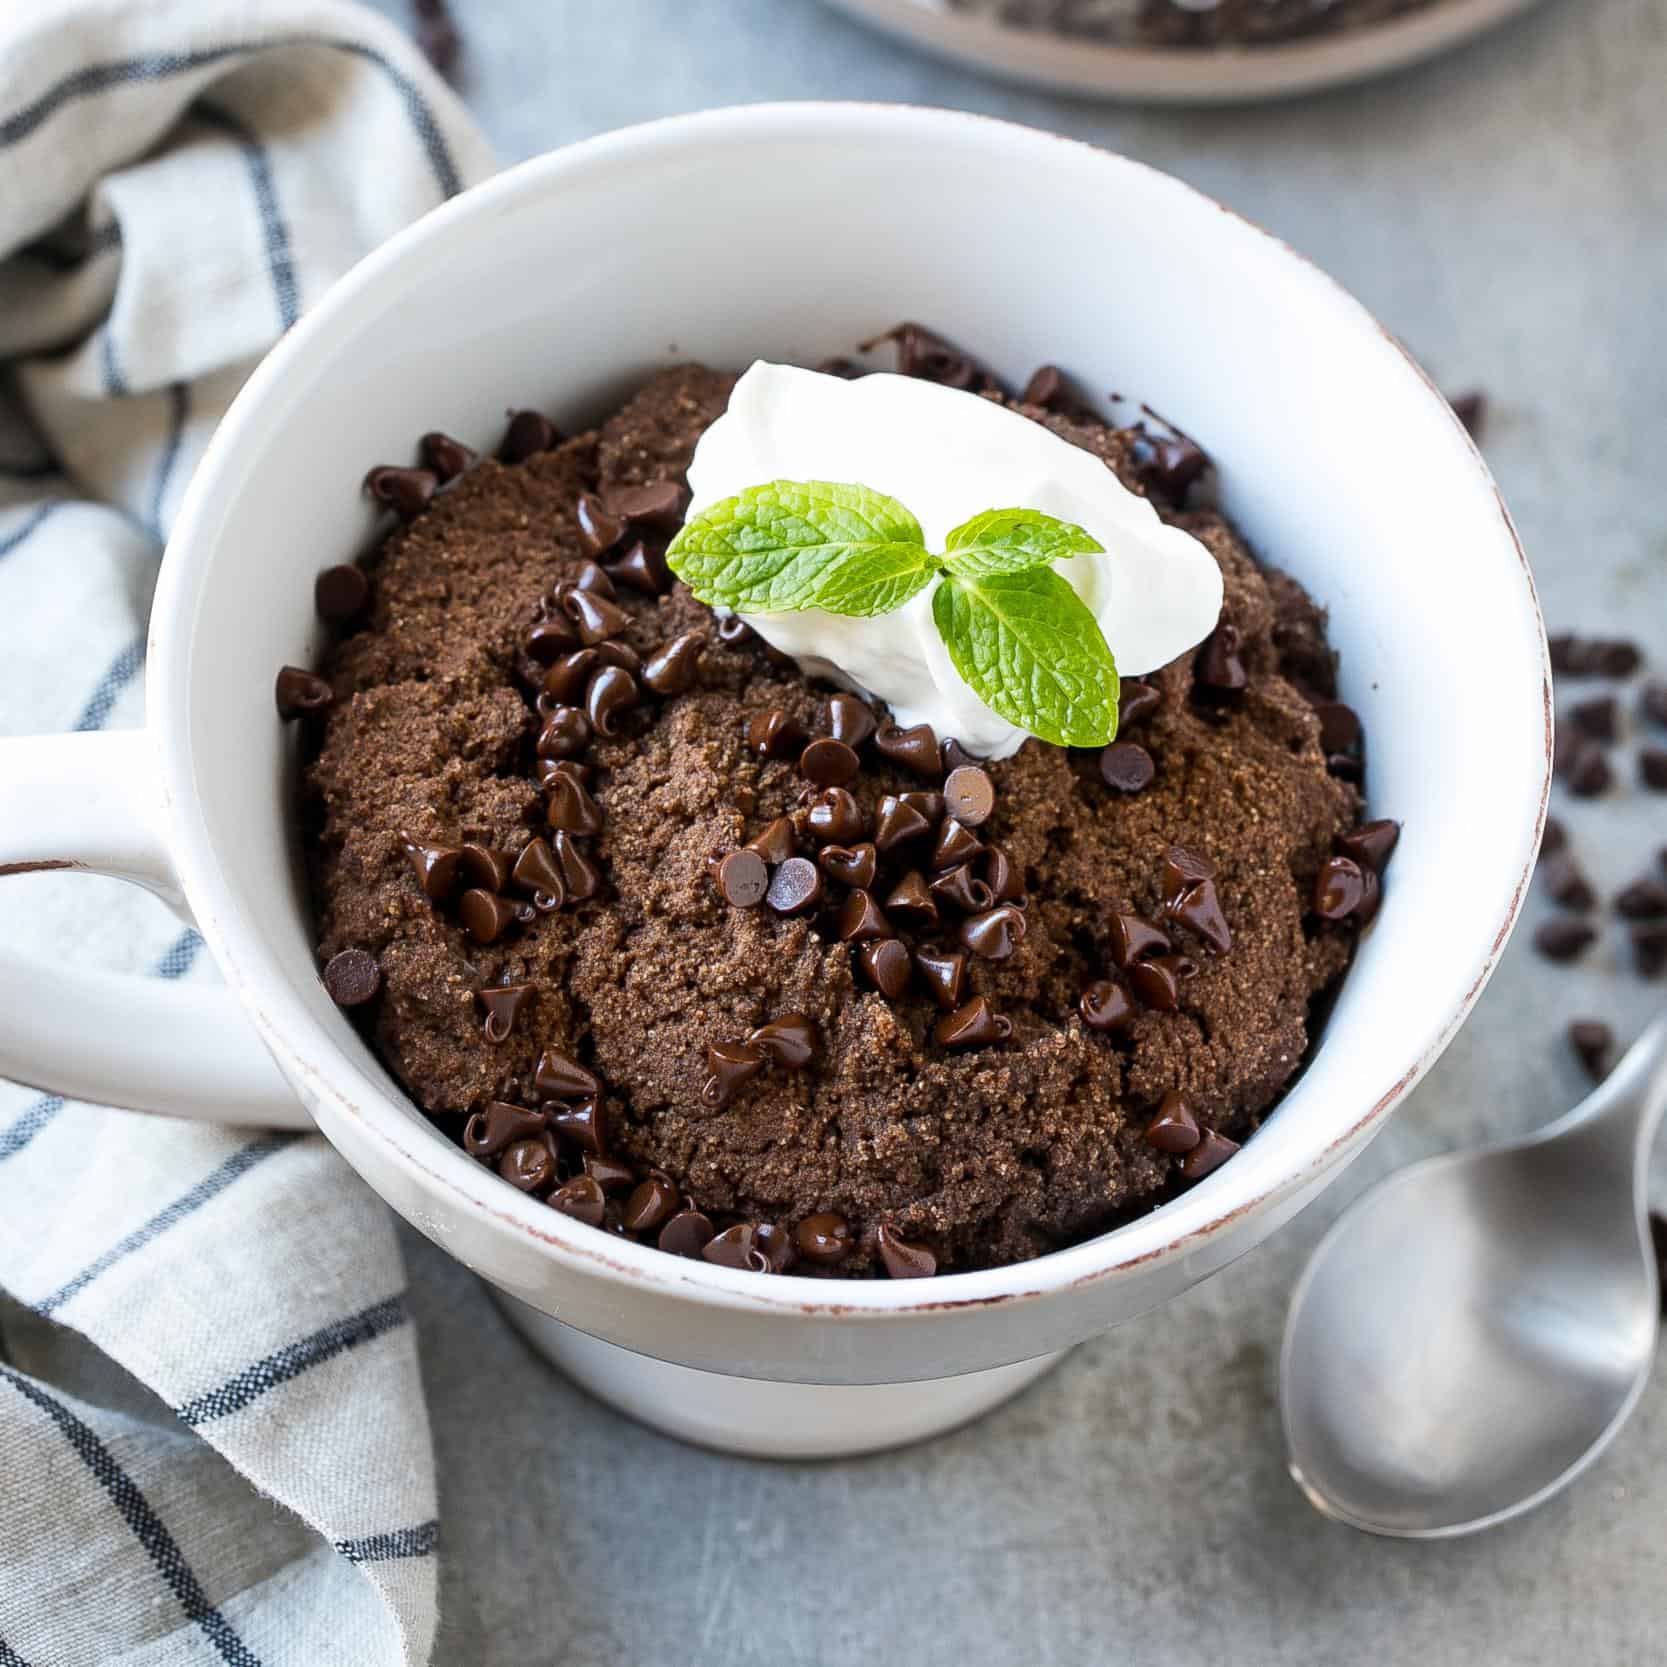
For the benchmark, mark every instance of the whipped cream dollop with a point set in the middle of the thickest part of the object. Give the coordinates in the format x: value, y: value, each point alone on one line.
x: 947, y: 455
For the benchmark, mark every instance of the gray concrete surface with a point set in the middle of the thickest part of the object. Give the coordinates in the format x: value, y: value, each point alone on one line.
x: 1503, y: 211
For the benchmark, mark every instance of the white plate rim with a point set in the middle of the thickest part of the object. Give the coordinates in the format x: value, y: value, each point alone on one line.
x: 1188, y: 75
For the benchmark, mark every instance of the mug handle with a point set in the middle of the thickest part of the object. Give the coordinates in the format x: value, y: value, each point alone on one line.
x: 93, y: 804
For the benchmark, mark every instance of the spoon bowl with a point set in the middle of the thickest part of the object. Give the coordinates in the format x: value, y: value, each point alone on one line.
x: 1476, y: 1330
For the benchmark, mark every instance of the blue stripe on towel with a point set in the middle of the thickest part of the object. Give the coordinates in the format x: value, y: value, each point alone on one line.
x: 295, y: 1358
x: 402, y: 1542
x: 211, y: 1186
x: 160, y: 66
x: 279, y: 264
x: 146, y: 1526
x: 29, y: 524
x: 123, y: 669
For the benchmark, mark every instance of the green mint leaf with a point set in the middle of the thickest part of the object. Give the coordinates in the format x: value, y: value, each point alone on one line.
x: 795, y: 544
x: 1029, y: 648
x: 1010, y: 540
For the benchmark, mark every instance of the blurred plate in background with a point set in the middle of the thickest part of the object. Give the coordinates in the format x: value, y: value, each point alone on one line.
x: 1181, y: 75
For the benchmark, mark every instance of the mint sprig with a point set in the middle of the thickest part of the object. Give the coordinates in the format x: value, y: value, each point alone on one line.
x: 1016, y: 632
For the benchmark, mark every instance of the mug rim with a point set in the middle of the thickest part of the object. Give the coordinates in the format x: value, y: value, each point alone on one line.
x: 1168, y: 1232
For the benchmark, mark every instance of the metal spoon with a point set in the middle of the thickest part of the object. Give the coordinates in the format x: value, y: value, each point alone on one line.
x: 1476, y: 1330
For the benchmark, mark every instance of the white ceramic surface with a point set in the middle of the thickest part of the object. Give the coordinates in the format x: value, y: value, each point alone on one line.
x: 792, y: 231
x: 1182, y: 75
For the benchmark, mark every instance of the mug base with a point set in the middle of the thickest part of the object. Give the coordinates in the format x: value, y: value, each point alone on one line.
x: 766, y: 1420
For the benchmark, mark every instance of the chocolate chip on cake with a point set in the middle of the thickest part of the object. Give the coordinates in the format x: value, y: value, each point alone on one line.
x: 301, y: 694
x: 1126, y: 767
x: 352, y: 977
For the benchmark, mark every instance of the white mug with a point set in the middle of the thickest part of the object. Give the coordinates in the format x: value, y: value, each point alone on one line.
x: 791, y: 232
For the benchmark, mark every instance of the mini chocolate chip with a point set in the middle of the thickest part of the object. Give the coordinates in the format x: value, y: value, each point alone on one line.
x: 728, y: 1066
x: 1649, y: 950
x: 996, y: 933
x: 904, y: 1259
x: 528, y: 1165
x: 1340, y: 730
x: 1136, y: 700
x: 850, y: 720
x: 915, y: 748
x: 1218, y: 665
x: 1339, y: 888
x: 1198, y: 908
x: 498, y: 1126
x: 484, y: 865
x: 794, y: 887
x: 835, y: 816
x: 580, y: 1198
x: 962, y: 888
x: 1568, y: 653
x: 566, y: 734
x: 599, y: 529
x: 734, y: 1248
x: 656, y: 503
x: 341, y: 594
x: 445, y: 457
x: 686, y: 1234
x: 1345, y: 768
x: 571, y: 808
x: 671, y: 670
x: 1652, y: 701
x: 503, y: 1004
x: 1652, y: 768
x: 1372, y: 844
x: 774, y: 734
x: 969, y: 795
x: 885, y: 964
x: 485, y: 917
x: 1563, y: 939
x: 928, y: 803
x: 436, y: 867
x: 1594, y: 1044
x: 1472, y: 410
x: 1183, y: 869
x: 1133, y: 937
x: 1644, y: 899
x: 1600, y: 717
x: 1106, y: 1006
x: 911, y: 900
x: 1047, y: 387
x: 550, y: 642
x: 1174, y: 463
x: 1173, y: 1127
x: 642, y: 569
x: 582, y: 878
x: 1127, y: 767
x: 560, y: 1078
x: 733, y: 631
x: 1211, y: 1152
x: 954, y: 845
x: 536, y: 871
x: 824, y: 1238
x: 609, y: 693
x: 651, y: 1205
x: 743, y: 879
x: 851, y: 865
x: 1589, y: 773
x: 1566, y: 883
x: 861, y: 919
x: 610, y: 1174
x: 789, y: 1039
x: 828, y: 763
x: 589, y: 576
x: 897, y: 821
x: 583, y: 1122
x: 945, y: 974
x: 1616, y: 659
x: 405, y: 491
x: 301, y: 693
x: 528, y: 433
x: 776, y: 1244
x: 954, y: 755
x: 972, y: 1025
x: 776, y: 843
x: 352, y: 977
x: 1001, y: 874
x: 1554, y: 839
x: 847, y: 370
x: 596, y: 617
x: 1157, y: 983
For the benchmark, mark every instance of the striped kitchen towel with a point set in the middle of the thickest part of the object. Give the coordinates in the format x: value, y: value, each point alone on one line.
x: 213, y: 1441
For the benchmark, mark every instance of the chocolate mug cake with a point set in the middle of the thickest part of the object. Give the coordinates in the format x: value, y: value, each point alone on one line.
x: 699, y: 946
